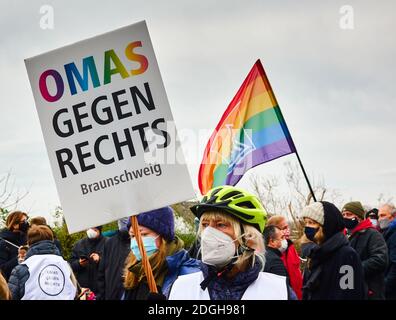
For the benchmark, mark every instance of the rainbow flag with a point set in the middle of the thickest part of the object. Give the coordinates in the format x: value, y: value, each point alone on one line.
x: 251, y: 131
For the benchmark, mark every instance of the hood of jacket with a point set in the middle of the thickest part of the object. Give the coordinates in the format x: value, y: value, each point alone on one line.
x: 364, y: 225
x: 42, y: 247
x: 333, y: 220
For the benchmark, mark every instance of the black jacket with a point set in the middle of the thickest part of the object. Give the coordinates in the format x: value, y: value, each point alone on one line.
x: 111, y: 267
x: 373, y: 252
x: 87, y: 276
x: 326, y: 273
x: 21, y: 274
x: 9, y: 253
x: 274, y: 263
x: 335, y: 270
x: 390, y: 274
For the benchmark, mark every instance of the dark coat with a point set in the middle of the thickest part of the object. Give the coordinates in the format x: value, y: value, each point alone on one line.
x: 335, y: 270
x: 9, y: 253
x: 111, y: 266
x: 87, y: 276
x: 274, y: 263
x: 326, y: 273
x: 20, y: 274
x: 373, y: 252
x: 390, y: 274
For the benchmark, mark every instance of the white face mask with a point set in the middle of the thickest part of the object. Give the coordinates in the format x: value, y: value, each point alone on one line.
x: 92, y: 234
x: 283, y: 246
x: 217, y: 248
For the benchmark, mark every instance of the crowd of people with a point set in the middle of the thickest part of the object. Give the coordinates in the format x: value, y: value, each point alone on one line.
x: 239, y: 254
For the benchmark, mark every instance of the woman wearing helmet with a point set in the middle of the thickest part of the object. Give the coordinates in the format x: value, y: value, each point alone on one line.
x: 231, y: 225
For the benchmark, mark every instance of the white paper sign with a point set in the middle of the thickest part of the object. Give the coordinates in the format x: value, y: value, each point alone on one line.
x: 108, y: 128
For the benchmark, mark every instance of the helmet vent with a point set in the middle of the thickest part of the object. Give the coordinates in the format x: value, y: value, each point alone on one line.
x: 246, y: 204
x: 228, y: 195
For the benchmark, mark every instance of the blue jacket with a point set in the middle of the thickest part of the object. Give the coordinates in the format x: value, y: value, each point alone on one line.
x: 390, y: 275
x: 20, y: 274
x: 178, y: 264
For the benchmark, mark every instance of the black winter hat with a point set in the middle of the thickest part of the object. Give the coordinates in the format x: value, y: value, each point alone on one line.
x: 372, y: 213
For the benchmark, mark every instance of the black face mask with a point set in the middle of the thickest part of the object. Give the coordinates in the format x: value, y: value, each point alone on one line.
x: 24, y: 226
x: 310, y: 232
x: 351, y: 224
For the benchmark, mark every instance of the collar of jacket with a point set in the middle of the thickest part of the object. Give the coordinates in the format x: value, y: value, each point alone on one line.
x: 241, y: 278
x: 274, y: 250
x: 362, y: 226
x: 173, y: 260
x: 16, y: 238
x: 42, y: 247
x: 328, y: 248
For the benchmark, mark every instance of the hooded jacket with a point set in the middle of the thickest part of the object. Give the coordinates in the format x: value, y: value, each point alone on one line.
x: 335, y: 269
x: 21, y: 274
x: 390, y: 274
x: 9, y: 253
x: 373, y: 252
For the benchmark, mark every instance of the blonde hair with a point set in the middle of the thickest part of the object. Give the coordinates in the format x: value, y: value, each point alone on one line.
x: 319, y: 236
x: 251, y: 238
x: 157, y: 260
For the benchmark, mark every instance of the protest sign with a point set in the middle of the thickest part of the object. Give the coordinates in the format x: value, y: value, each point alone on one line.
x: 103, y: 109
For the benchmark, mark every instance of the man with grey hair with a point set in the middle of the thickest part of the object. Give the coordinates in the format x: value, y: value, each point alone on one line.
x: 387, y: 223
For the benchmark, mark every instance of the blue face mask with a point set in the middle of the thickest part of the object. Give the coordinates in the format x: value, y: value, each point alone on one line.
x: 310, y: 232
x: 374, y: 222
x: 149, y: 245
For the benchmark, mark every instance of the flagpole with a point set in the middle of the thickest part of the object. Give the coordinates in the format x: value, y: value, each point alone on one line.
x: 258, y: 63
x: 305, y: 175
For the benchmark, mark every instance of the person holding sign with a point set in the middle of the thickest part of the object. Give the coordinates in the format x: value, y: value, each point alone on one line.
x: 167, y: 256
x: 231, y: 225
x: 44, y: 274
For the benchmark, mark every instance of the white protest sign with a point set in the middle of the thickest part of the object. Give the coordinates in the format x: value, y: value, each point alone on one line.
x: 107, y: 125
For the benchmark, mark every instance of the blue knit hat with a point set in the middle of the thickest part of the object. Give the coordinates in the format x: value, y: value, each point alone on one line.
x: 159, y: 220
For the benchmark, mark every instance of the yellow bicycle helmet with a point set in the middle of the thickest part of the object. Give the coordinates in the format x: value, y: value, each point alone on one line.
x: 237, y: 202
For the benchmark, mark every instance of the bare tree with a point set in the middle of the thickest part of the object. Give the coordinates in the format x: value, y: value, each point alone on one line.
x: 291, y: 200
x: 9, y: 196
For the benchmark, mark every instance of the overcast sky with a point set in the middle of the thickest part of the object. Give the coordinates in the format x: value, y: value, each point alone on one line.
x: 336, y: 87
